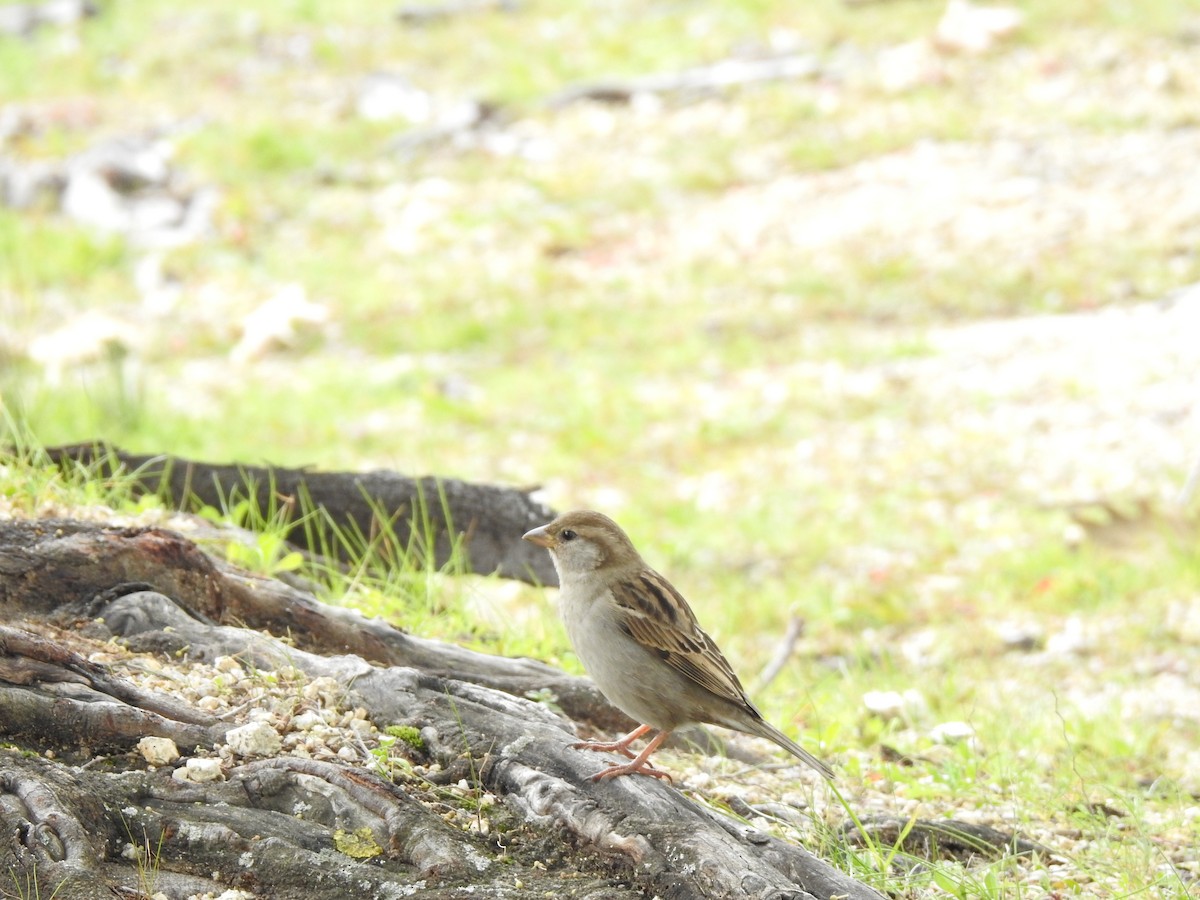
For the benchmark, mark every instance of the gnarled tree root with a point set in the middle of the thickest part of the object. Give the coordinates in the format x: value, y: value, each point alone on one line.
x: 278, y: 826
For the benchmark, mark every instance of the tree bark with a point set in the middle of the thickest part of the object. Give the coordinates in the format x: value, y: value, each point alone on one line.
x: 95, y: 819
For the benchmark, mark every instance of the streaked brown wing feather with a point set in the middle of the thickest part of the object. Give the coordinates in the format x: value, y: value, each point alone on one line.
x: 658, y: 618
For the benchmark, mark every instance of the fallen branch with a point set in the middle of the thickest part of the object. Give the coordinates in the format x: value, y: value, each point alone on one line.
x: 924, y: 839
x: 727, y: 73
x: 427, y: 13
x: 783, y: 652
x: 350, y: 514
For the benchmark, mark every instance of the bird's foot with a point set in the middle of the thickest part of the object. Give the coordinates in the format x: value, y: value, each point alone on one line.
x: 606, y: 747
x: 633, y: 768
x: 620, y: 746
x: 641, y: 764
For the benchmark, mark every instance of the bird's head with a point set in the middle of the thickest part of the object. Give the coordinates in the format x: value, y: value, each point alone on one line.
x: 585, y: 541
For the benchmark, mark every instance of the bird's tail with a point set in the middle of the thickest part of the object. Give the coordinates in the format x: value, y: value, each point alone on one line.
x: 771, y: 733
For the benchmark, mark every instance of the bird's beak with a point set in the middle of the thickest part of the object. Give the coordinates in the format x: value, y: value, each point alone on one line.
x: 539, y: 536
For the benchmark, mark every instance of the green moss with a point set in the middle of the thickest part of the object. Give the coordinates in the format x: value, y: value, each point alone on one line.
x: 408, y: 734
x: 359, y: 844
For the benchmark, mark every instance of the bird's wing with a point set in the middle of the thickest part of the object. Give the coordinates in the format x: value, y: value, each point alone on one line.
x: 657, y: 617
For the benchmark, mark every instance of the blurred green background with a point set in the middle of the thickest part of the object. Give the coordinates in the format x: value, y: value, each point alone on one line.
x: 874, y: 344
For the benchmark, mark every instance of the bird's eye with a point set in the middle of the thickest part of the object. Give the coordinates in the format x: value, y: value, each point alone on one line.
x: 568, y: 535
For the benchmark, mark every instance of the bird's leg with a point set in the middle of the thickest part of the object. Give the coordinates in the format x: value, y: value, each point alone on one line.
x: 640, y: 764
x: 621, y: 746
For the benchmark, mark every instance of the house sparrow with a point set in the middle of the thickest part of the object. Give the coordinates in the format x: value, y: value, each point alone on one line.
x: 640, y: 642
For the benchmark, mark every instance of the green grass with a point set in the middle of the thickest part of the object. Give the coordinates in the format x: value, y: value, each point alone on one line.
x: 41, y: 253
x: 27, y: 886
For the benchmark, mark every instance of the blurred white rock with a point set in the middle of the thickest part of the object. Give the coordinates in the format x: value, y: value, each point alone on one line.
x: 952, y: 732
x: 278, y: 323
x: 86, y: 339
x: 383, y: 96
x: 967, y: 28
x: 894, y: 704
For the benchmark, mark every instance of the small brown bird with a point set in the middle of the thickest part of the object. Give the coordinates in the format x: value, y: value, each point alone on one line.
x: 640, y: 642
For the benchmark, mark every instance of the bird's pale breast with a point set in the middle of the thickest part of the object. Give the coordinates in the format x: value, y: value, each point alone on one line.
x: 629, y: 675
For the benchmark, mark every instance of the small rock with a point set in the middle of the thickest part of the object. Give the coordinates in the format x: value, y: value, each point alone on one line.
x: 66, y: 12
x: 90, y: 338
x: 22, y: 19
x: 383, y: 96
x: 1018, y: 635
x: 893, y: 704
x: 951, y: 732
x: 907, y: 67
x: 255, y: 739
x: 1073, y: 639
x: 967, y: 28
x: 158, y: 751
x: 229, y: 665
x: 18, y: 19
x: 198, y: 771
x: 307, y: 721
x: 278, y: 323
x: 26, y: 185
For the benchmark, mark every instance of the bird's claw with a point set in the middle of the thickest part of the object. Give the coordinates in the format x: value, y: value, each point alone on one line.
x: 644, y: 769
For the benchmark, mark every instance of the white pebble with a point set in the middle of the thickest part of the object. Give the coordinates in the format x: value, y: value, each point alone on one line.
x: 893, y: 704
x: 198, y: 770
x: 158, y: 751
x: 306, y: 721
x: 230, y: 665
x: 255, y: 739
x: 951, y: 732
